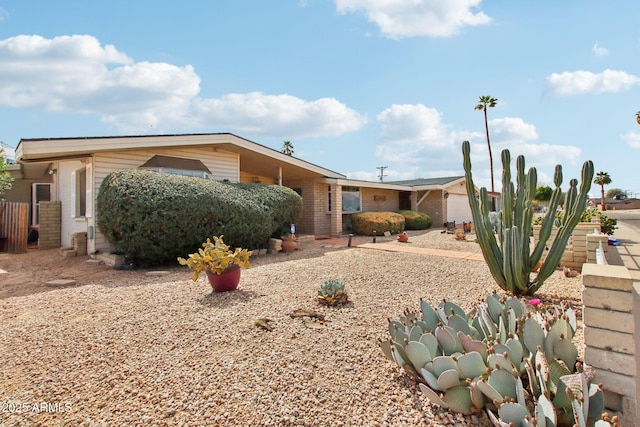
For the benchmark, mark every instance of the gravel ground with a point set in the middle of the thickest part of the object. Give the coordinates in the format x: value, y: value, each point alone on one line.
x: 171, y: 353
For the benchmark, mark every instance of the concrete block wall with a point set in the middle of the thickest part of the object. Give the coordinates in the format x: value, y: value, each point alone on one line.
x: 595, y: 241
x: 50, y: 225
x: 79, y: 241
x: 610, y: 332
x: 576, y: 252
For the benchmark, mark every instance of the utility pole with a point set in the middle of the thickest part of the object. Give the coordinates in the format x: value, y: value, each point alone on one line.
x: 382, y: 175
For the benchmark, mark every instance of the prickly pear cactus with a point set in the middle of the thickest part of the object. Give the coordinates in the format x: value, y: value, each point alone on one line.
x: 509, y: 256
x: 498, y: 358
x: 332, y: 292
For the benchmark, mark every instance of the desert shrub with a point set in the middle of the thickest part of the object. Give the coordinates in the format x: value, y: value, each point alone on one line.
x: 414, y: 220
x: 152, y: 218
x: 284, y: 204
x: 364, y: 223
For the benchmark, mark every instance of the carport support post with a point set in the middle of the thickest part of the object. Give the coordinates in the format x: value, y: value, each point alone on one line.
x: 336, y: 210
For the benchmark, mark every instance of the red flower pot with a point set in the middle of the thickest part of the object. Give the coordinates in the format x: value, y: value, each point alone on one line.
x: 403, y: 237
x: 289, y: 243
x: 227, y: 281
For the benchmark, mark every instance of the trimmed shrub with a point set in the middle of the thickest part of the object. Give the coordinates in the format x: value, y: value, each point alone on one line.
x: 363, y: 223
x: 414, y: 220
x: 152, y: 218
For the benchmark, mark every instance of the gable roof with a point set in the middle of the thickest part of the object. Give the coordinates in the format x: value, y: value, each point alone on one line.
x: 253, y: 155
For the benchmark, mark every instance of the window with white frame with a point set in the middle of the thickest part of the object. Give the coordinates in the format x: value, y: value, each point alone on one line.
x: 81, y: 192
x: 351, y: 200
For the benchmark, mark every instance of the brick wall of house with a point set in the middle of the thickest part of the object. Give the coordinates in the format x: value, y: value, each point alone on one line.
x: 50, y: 225
x: 434, y: 206
x: 377, y: 200
x: 316, y: 218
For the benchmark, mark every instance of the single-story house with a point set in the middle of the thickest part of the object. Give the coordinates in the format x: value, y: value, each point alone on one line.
x: 69, y: 171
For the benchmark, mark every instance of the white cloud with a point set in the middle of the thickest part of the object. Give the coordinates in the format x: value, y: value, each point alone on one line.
x: 632, y: 139
x: 3, y: 14
x: 76, y: 74
x: 275, y: 115
x: 416, y: 143
x: 579, y: 82
x: 599, y: 51
x: 409, y: 18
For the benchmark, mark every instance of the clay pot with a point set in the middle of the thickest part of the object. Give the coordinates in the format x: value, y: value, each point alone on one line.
x: 289, y: 243
x: 403, y: 237
x: 226, y: 281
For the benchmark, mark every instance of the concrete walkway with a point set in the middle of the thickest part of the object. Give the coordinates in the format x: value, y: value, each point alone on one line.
x: 424, y: 251
x: 628, y: 253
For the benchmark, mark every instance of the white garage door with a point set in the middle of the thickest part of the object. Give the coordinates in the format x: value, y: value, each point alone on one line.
x: 458, y: 209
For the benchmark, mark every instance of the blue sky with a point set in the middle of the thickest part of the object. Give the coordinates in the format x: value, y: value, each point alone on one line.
x: 353, y: 84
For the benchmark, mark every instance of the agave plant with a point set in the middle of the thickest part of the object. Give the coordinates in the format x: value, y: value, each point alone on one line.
x: 333, y: 292
x: 499, y: 358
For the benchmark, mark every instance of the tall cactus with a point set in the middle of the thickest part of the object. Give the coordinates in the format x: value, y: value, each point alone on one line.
x: 509, y: 256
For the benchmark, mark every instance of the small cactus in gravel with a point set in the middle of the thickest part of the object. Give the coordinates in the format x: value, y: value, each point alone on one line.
x: 332, y: 292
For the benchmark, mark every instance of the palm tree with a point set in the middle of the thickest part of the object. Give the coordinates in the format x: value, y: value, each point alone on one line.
x: 602, y: 179
x: 287, y: 148
x: 488, y: 101
x: 638, y: 117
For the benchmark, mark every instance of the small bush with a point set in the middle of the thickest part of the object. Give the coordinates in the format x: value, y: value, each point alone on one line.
x: 608, y: 225
x: 364, y: 223
x: 153, y: 218
x: 414, y: 220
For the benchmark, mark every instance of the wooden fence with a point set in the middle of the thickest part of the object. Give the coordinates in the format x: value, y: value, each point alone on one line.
x: 14, y: 227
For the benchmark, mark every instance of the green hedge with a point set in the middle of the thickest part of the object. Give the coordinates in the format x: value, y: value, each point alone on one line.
x: 364, y: 223
x: 152, y: 218
x: 414, y: 220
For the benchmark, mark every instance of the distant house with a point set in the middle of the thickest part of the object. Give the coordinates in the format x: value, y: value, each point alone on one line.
x: 70, y: 171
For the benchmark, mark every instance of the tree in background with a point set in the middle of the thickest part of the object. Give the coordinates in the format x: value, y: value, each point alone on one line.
x: 602, y: 179
x: 287, y: 148
x: 543, y: 193
x: 487, y: 101
x: 5, y: 178
x: 616, y: 193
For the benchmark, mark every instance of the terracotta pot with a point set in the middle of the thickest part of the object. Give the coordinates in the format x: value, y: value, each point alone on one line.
x: 289, y: 244
x: 227, y: 281
x: 403, y: 237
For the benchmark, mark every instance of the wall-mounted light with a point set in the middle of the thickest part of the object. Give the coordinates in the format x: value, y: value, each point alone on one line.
x: 53, y: 171
x: 446, y: 194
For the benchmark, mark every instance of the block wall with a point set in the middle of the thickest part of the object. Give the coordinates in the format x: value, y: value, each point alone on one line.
x: 50, y: 225
x: 610, y: 324
x: 575, y: 253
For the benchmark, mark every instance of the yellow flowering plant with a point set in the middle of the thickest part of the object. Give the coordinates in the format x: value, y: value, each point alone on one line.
x: 215, y: 256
